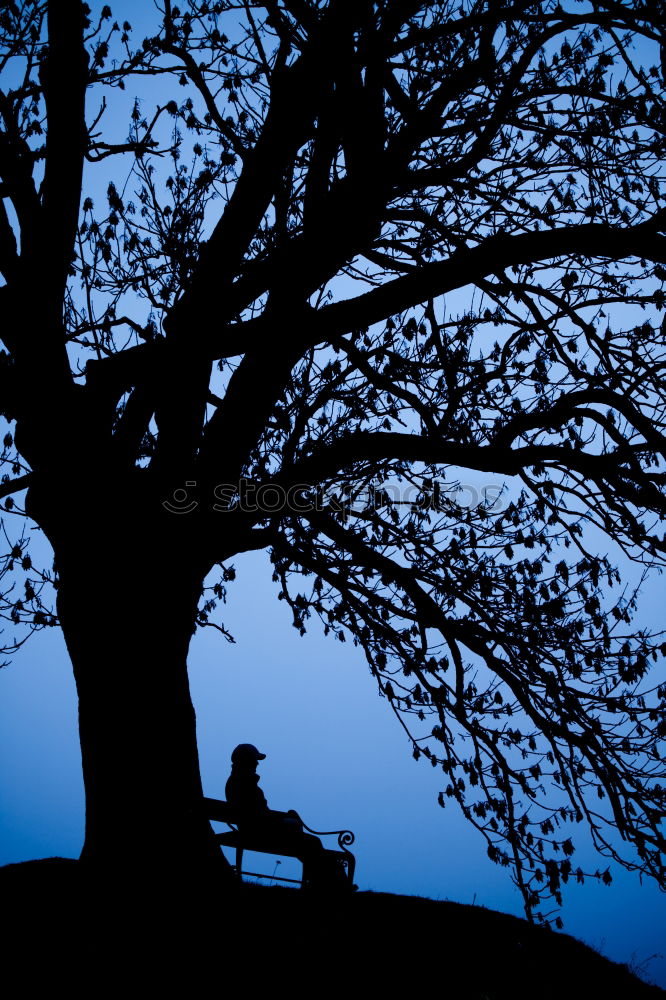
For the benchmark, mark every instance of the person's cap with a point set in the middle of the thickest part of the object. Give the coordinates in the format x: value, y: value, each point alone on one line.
x: 245, y: 750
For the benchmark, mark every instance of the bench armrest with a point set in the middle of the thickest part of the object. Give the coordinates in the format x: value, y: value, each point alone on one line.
x: 345, y: 837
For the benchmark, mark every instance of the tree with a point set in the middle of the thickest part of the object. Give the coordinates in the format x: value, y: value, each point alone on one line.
x: 346, y: 251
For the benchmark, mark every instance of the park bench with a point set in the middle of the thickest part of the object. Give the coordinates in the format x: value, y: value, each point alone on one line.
x: 220, y: 811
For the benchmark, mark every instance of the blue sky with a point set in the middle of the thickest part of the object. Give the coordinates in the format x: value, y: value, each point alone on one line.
x: 335, y: 753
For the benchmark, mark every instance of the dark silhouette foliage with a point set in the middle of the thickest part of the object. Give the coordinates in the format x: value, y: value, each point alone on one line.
x: 340, y: 257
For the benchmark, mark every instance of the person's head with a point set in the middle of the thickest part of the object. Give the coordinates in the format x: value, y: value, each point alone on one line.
x: 246, y: 755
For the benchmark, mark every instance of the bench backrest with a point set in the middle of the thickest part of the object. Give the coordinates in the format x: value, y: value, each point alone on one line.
x: 219, y: 810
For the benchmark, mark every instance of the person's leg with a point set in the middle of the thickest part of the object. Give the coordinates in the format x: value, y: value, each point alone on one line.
x: 321, y: 869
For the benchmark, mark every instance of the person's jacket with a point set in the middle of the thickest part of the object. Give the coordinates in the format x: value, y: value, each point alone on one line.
x: 244, y: 795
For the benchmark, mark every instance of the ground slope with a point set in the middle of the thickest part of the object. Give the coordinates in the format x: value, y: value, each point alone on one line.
x: 60, y: 926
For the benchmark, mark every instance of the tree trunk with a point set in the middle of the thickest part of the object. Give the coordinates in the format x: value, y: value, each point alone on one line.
x: 127, y: 602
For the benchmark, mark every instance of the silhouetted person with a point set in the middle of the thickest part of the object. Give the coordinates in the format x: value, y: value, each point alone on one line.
x: 255, y: 819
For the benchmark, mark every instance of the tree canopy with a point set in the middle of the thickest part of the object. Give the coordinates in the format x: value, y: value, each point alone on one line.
x: 336, y: 257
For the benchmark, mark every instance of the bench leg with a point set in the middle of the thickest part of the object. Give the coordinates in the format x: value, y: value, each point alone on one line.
x: 239, y: 861
x: 351, y: 866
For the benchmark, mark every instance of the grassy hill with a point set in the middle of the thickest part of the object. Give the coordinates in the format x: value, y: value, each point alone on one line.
x: 59, y: 927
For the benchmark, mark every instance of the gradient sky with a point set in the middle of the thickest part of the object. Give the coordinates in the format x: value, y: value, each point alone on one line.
x: 335, y: 753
